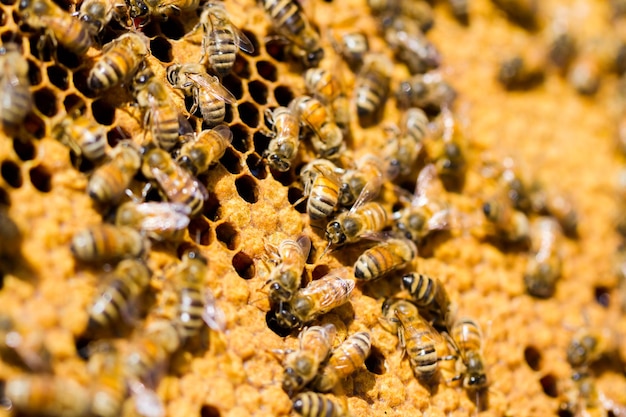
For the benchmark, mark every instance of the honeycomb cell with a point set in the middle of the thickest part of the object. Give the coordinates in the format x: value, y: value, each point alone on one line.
x: 200, y: 231
x: 39, y: 50
x: 152, y: 29
x: 161, y: 49
x: 65, y: 5
x: 247, y: 189
x: 11, y: 173
x: 115, y: 135
x: 34, y: 73
x: 45, y: 101
x: 228, y: 235
x: 272, y: 324
x: 240, y: 137
x: 80, y: 82
x: 375, y: 362
x: 231, y: 161
x: 244, y: 265
x: 257, y: 166
x: 285, y: 178
x: 549, y: 385
x: 602, y: 295
x: 41, y: 179
x: 241, y: 67
x: 234, y: 85
x: 294, y: 195
x: 103, y: 112
x: 258, y: 90
x: 319, y: 271
x: 173, y: 29
x: 209, y: 411
x: 228, y: 116
x: 24, y: 149
x: 249, y: 114
x: 532, y: 356
x: 254, y: 41
x: 261, y: 142
x: 267, y: 70
x: 74, y: 104
x: 211, y: 208
x: 58, y: 76
x: 276, y: 49
x: 5, y: 200
x: 283, y: 95
x: 35, y: 126
x: 67, y: 58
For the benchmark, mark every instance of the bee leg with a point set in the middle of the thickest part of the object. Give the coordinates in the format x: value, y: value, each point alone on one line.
x: 196, y: 100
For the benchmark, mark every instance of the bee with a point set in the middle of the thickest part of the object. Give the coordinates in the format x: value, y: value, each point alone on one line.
x: 98, y: 13
x: 83, y: 135
x: 544, y: 262
x: 176, y: 184
x: 317, y: 298
x: 58, y: 25
x: 162, y: 9
x: 221, y: 38
x: 109, y: 181
x: 343, y: 361
x: 427, y: 91
x: 583, y: 398
x: 160, y: 114
x: 285, y: 278
x: 157, y: 220
x: 321, y: 184
x: 523, y: 71
x: 289, y: 21
x: 15, y: 97
x: 410, y: 45
x: 302, y: 365
x: 416, y: 11
x: 283, y: 147
x: 106, y: 243
x: 587, y: 346
x: 119, y: 61
x: 508, y: 224
x: 370, y: 170
x: 15, y: 349
x: 430, y: 295
x: 365, y: 217
x: 353, y: 47
x: 127, y: 282
x: 389, y: 320
x: 426, y: 213
x: 522, y: 12
x: 312, y: 404
x: 323, y: 84
x: 372, y: 88
x: 467, y: 339
x: 406, y: 143
x: 105, y: 366
x: 207, y: 148
x: 383, y: 258
x: 208, y: 94
x: 557, y: 205
x: 460, y: 10
x: 328, y: 137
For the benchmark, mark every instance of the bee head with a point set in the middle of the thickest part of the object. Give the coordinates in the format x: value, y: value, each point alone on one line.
x: 138, y: 9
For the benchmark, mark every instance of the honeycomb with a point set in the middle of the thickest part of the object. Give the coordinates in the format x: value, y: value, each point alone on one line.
x: 555, y: 134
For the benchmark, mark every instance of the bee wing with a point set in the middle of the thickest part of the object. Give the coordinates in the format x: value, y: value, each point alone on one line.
x: 168, y: 183
x: 147, y: 402
x: 427, y: 183
x: 305, y: 244
x: 368, y: 193
x: 164, y: 216
x: 242, y: 41
x: 440, y: 220
x: 225, y: 132
x: 213, y: 86
x: 212, y: 315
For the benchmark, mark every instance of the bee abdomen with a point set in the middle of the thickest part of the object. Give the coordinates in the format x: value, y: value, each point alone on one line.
x: 190, y: 311
x: 323, y: 199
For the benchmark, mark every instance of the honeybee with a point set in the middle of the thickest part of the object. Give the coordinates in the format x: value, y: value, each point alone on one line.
x: 523, y: 12
x: 83, y: 135
x: 410, y: 45
x: 129, y: 279
x: 372, y: 88
x: 15, y: 96
x: 417, y: 11
x: 353, y: 47
x: 207, y: 148
x: 365, y: 217
x: 523, y: 71
x: 109, y: 386
x: 426, y: 213
x: 207, y: 92
x: 467, y: 339
x: 510, y: 225
x: 407, y: 142
x: 98, y: 13
x: 289, y: 21
x: 176, y: 184
x: 460, y: 10
x: 323, y: 84
x: 583, y: 398
x: 427, y: 91
x: 57, y: 24
x: 160, y: 114
x: 302, y: 365
x: 369, y: 170
x: 106, y: 243
x: 343, y: 361
x: 383, y: 258
x: 317, y: 298
x: 221, y: 38
x: 321, y: 184
x: 312, y: 404
x: 285, y: 278
x: 109, y: 181
x: 283, y: 147
x: 16, y: 350
x: 328, y: 137
x: 544, y: 262
x: 430, y: 295
x: 389, y: 320
x: 588, y: 345
x: 119, y: 61
x: 557, y: 205
x: 162, y: 9
x: 157, y: 220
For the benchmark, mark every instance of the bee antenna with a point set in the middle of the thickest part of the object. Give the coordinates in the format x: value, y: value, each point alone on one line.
x: 325, y: 250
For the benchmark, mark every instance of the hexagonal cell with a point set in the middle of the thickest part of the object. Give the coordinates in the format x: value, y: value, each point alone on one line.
x: 161, y: 49
x: 241, y: 67
x: 35, y: 126
x: 261, y: 142
x: 532, y: 355
x: 41, y: 179
x: 375, y: 362
x: 45, y: 101
x: 254, y: 41
x: 234, y: 85
x: 209, y: 411
x: 283, y: 95
x: 285, y: 178
x: 257, y: 166
x: 267, y: 70
x: 319, y: 271
x: 231, y: 161
x: 240, y: 137
x: 24, y: 149
x: 34, y: 72
x: 79, y: 79
x: 74, y: 104
x: 228, y: 117
x: 549, y: 385
x: 228, y: 235
x: 172, y: 29
x: 276, y: 49
x: 67, y: 58
x: 42, y: 51
x: 153, y: 28
x: 247, y: 189
x: 11, y: 173
x: 211, y: 208
x: 103, y: 112
x: 200, y: 231
x: 59, y: 77
x: 258, y: 90
x: 115, y: 135
x: 294, y: 195
x: 244, y: 265
x: 249, y: 114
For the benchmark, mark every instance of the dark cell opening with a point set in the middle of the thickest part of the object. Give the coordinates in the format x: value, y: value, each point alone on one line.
x: 257, y: 166
x: 240, y: 137
x: 80, y: 82
x: 184, y: 248
x: 67, y: 58
x: 234, y: 85
x: 82, y: 347
x: 258, y: 91
x: 35, y: 126
x: 211, y: 207
x: 272, y: 324
x: 1, y: 279
x: 247, y: 189
x: 267, y: 70
x: 39, y: 50
x: 173, y: 29
x: 24, y: 148
x: 3, y: 19
x: 74, y: 104
x: 65, y: 5
x: 46, y: 102
x: 241, y: 67
x: 231, y: 161
x: 9, y: 36
x: 602, y: 295
x: 84, y: 165
x: 5, y: 200
x: 11, y: 173
x: 276, y: 49
x: 252, y: 38
x: 244, y: 265
x: 41, y: 179
x: 34, y: 73
x: 565, y: 413
x: 58, y: 76
x: 294, y: 194
x: 532, y: 355
x: 103, y: 112
x: 283, y: 95
x: 228, y: 116
x: 261, y: 142
x: 200, y: 231
x: 115, y: 135
x: 151, y: 29
x: 285, y: 178
x: 375, y: 362
x: 319, y: 271
x: 209, y: 411
x: 161, y: 49
x: 249, y: 114
x: 549, y: 385
x: 228, y: 235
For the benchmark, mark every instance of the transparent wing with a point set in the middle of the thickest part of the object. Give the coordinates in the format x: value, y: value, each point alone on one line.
x: 163, y: 216
x: 305, y: 244
x: 225, y: 132
x: 212, y: 315
x: 147, y: 402
x: 427, y: 183
x: 213, y: 86
x: 368, y: 193
x: 242, y: 41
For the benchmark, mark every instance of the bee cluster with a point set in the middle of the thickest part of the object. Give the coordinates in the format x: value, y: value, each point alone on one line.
x: 173, y: 138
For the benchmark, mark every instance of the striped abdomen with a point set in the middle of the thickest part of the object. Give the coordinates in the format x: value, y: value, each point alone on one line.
x: 312, y: 404
x: 222, y: 50
x: 113, y: 67
x: 69, y: 32
x: 16, y: 101
x: 383, y: 258
x: 371, y: 92
x: 213, y: 108
x: 323, y: 198
x: 286, y: 17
